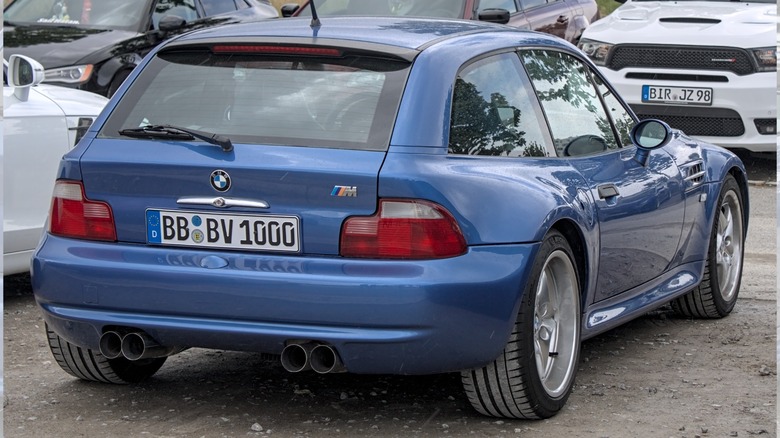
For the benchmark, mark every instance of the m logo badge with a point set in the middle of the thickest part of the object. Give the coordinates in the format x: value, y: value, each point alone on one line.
x: 344, y: 191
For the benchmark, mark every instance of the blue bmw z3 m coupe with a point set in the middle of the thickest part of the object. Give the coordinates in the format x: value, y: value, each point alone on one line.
x: 380, y: 195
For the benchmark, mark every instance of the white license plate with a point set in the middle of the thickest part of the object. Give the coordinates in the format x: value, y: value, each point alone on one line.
x: 230, y: 231
x: 677, y: 95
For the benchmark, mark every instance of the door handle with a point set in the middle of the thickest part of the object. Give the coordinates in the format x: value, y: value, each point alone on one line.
x: 607, y: 191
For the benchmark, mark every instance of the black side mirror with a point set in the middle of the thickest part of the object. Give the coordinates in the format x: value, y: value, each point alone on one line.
x: 289, y: 9
x: 648, y: 135
x: 170, y: 23
x: 494, y: 15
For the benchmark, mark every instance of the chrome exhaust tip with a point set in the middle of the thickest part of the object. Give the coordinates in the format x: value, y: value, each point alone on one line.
x: 324, y: 359
x: 295, y: 357
x: 111, y: 345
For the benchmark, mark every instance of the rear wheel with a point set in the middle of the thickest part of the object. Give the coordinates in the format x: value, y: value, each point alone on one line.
x: 90, y: 365
x: 534, y: 375
x: 716, y: 295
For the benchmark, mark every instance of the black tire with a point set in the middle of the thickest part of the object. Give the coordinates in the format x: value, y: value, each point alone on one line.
x: 90, y: 365
x: 512, y: 386
x: 717, y: 293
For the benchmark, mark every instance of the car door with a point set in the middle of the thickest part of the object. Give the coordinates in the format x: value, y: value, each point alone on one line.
x: 640, y: 207
x: 549, y: 16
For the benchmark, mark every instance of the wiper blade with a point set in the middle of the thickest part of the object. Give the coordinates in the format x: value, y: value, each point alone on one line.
x: 177, y: 132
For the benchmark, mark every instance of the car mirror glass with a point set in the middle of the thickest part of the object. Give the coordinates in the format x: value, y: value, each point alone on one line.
x: 650, y: 134
x: 24, y: 73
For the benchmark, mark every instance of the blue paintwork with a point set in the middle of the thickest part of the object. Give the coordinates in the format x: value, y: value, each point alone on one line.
x: 408, y: 317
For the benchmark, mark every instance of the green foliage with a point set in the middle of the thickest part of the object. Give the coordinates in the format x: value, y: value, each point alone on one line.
x: 607, y: 6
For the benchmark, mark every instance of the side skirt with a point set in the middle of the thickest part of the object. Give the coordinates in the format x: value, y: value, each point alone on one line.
x: 608, y: 314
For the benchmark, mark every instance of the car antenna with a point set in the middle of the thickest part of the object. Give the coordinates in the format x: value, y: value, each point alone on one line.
x: 315, y: 20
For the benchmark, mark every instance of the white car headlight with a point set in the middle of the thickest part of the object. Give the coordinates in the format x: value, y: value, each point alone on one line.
x: 596, y: 50
x: 766, y: 57
x: 76, y: 74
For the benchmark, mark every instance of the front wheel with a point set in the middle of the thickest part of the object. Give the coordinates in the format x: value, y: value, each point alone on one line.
x: 90, y: 365
x: 716, y: 295
x: 534, y: 375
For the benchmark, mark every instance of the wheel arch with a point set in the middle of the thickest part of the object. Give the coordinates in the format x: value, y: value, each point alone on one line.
x: 741, y: 177
x: 576, y: 240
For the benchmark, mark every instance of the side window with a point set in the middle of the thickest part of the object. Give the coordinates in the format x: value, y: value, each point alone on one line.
x: 509, y: 5
x: 180, y: 8
x: 214, y: 7
x: 621, y: 118
x: 494, y: 111
x: 530, y: 4
x: 577, y: 119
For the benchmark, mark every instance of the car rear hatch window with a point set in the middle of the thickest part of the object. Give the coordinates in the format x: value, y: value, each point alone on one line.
x: 267, y: 94
x: 306, y: 131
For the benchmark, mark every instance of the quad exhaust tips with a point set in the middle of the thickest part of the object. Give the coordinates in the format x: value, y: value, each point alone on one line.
x: 133, y: 346
x: 302, y: 356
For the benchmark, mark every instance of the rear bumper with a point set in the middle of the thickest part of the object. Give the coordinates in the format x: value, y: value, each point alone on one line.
x: 404, y: 317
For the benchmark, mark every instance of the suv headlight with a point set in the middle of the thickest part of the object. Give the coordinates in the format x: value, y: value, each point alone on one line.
x: 596, y: 50
x: 76, y: 74
x: 766, y: 58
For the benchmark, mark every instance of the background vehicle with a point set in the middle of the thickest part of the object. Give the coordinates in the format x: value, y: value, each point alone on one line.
x: 563, y: 18
x: 334, y: 201
x: 707, y: 67
x: 94, y: 44
x: 41, y: 124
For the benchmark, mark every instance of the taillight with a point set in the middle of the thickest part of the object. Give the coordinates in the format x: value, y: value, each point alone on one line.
x: 73, y: 215
x: 403, y: 229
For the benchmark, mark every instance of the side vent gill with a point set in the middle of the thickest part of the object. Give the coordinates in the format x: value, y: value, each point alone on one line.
x: 694, y: 174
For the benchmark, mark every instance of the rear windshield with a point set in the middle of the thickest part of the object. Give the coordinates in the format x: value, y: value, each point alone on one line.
x: 346, y: 102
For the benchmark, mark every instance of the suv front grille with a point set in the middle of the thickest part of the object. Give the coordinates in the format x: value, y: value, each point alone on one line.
x: 681, y: 57
x: 716, y: 122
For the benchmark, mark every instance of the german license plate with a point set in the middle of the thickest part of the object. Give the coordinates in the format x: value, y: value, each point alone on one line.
x: 677, y: 95
x: 229, y: 231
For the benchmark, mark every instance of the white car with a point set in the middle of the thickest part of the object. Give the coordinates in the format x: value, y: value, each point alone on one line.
x: 41, y: 123
x: 707, y: 68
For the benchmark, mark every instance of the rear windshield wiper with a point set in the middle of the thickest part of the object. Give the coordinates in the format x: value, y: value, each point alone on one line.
x: 178, y: 133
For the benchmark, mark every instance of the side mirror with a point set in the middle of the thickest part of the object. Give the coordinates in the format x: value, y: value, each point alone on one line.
x: 171, y: 22
x: 289, y: 9
x: 494, y: 15
x: 648, y: 135
x: 23, y: 74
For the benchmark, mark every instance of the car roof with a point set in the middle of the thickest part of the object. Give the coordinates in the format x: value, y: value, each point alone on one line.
x: 406, y: 33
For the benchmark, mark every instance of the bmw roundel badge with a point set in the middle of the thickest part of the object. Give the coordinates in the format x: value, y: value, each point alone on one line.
x: 220, y: 180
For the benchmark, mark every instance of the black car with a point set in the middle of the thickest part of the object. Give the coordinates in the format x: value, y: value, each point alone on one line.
x: 566, y: 19
x: 94, y: 44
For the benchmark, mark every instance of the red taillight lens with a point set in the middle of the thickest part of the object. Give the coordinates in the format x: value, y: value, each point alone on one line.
x: 403, y: 229
x: 73, y: 215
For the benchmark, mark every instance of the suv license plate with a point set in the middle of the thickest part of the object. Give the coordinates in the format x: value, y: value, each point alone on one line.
x: 229, y: 231
x: 677, y: 95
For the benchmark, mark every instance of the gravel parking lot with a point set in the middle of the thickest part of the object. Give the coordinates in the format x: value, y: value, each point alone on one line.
x: 659, y: 376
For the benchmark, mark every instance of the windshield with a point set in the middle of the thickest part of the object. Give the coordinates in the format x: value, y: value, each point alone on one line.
x: 340, y: 102
x: 413, y: 8
x: 102, y: 14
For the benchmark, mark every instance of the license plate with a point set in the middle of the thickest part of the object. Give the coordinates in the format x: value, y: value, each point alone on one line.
x: 229, y: 231
x: 677, y: 95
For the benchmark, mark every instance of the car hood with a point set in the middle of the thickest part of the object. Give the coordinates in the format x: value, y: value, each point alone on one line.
x: 58, y: 46
x: 733, y: 24
x: 72, y: 102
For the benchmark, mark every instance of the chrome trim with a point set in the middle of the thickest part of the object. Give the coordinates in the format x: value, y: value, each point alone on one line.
x: 221, y: 202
